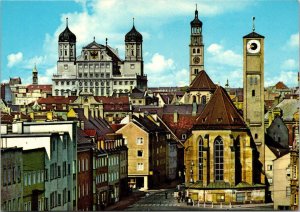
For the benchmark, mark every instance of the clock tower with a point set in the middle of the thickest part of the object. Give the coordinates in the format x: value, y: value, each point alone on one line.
x: 196, y: 48
x: 253, y: 83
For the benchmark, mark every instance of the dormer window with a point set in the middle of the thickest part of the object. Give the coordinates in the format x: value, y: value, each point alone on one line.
x: 183, y: 136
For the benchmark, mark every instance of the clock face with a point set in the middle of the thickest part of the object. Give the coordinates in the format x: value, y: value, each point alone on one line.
x: 196, y: 60
x: 253, y: 46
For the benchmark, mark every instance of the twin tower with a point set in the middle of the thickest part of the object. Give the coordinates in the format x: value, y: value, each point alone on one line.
x: 253, y: 77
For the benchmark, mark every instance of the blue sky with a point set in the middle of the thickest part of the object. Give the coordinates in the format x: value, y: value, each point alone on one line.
x: 30, y: 32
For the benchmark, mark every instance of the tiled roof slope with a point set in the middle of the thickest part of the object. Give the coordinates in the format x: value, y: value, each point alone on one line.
x: 280, y: 85
x: 202, y: 82
x: 183, y: 125
x: 220, y: 113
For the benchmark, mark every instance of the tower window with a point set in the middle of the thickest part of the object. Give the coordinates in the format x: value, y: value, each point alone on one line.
x: 198, y: 51
x: 194, y: 51
x: 253, y: 92
x: 256, y: 136
x: 132, y: 52
x: 251, y: 80
x: 60, y: 52
x: 196, y: 71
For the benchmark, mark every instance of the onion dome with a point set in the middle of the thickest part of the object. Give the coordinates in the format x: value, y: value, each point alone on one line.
x: 196, y: 22
x: 133, y: 35
x: 67, y: 35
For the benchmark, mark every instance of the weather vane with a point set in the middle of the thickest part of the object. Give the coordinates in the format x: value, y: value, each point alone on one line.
x: 253, y: 26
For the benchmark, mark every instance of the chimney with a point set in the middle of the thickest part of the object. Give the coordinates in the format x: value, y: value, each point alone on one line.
x: 175, y: 116
x: 86, y: 111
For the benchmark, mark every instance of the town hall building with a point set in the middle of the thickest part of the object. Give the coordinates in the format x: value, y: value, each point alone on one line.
x: 98, y: 70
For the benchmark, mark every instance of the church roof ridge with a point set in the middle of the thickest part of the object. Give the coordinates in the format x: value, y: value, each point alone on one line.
x: 220, y: 113
x: 202, y: 82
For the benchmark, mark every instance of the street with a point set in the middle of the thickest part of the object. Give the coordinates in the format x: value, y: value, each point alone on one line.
x: 156, y: 201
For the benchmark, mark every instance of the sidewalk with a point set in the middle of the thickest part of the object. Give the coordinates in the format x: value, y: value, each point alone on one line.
x: 126, y: 201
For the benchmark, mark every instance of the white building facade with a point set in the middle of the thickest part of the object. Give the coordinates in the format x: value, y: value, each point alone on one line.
x: 60, y: 142
x: 98, y: 69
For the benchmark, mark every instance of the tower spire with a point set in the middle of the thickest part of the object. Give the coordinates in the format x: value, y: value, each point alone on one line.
x: 106, y: 41
x: 196, y: 12
x: 253, y: 24
x: 67, y: 22
x: 133, y: 21
x: 94, y: 38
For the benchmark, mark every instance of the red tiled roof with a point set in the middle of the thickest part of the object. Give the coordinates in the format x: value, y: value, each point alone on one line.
x: 114, y: 103
x: 57, y: 100
x: 90, y: 132
x: 6, y: 118
x: 116, y: 127
x: 269, y: 103
x: 43, y: 88
x: 202, y: 82
x: 280, y: 85
x: 183, y: 125
x: 220, y: 113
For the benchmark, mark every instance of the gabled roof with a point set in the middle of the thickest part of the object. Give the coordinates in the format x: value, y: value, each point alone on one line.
x: 253, y: 35
x: 220, y: 113
x: 280, y: 85
x: 202, y: 82
x: 114, y: 103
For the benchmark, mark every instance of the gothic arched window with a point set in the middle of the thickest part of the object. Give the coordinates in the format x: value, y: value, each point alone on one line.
x: 203, y: 100
x: 219, y: 159
x: 200, y: 160
x: 198, y: 51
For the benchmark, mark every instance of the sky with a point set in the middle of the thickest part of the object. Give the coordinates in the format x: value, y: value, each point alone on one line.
x: 30, y: 31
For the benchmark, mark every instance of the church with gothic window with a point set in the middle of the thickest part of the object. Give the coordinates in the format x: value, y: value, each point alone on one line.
x: 224, y: 153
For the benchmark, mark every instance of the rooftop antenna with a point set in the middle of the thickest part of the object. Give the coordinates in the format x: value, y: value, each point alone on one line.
x: 253, y: 24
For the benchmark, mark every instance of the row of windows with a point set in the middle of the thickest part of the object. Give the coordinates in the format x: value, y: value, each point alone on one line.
x: 63, y: 82
x: 113, y: 176
x: 113, y: 161
x: 96, y: 90
x: 196, y: 50
x: 11, y: 175
x: 96, y: 83
x: 101, y: 178
x: 121, y: 82
x: 56, y: 199
x: 53, y: 144
x: 91, y: 75
x: 12, y: 205
x: 102, y: 65
x: 33, y: 177
x: 66, y: 53
x: 100, y: 162
x: 83, y: 165
x: 83, y: 190
x: 253, y: 81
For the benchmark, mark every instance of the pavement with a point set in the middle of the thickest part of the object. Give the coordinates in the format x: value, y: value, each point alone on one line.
x: 136, y: 195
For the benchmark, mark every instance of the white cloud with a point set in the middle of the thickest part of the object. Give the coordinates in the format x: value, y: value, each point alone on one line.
x: 294, y: 41
x: 218, y: 55
x: 289, y: 64
x: 287, y: 77
x: 158, y: 64
x: 14, y: 59
x: 162, y: 71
